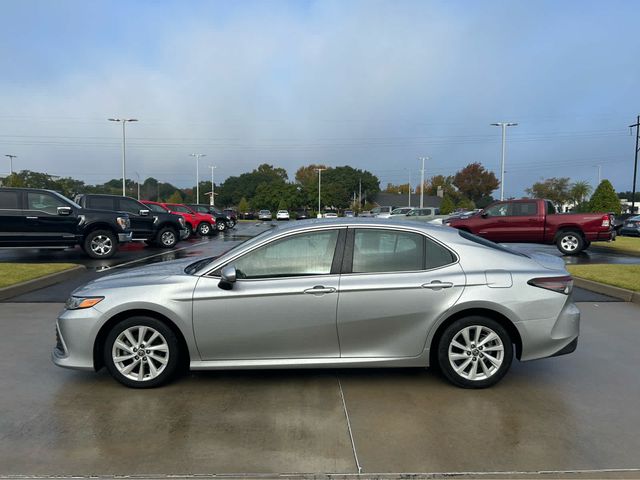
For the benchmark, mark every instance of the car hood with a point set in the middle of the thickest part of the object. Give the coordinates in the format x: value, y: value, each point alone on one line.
x: 148, y: 275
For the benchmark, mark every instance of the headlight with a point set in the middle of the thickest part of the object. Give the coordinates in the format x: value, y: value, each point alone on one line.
x: 123, y: 222
x: 76, y: 303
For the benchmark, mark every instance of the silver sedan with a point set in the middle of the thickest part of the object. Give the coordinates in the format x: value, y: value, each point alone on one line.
x: 318, y: 293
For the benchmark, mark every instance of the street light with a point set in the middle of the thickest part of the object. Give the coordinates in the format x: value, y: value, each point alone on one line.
x: 11, y: 157
x: 422, y: 181
x: 198, y: 156
x: 124, y: 154
x: 504, y: 126
x: 319, y: 170
x: 138, y: 177
x: 213, y: 193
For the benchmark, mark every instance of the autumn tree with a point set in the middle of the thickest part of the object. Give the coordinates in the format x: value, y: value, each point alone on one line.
x: 393, y: 188
x: 554, y: 189
x: 475, y: 182
x: 176, y: 197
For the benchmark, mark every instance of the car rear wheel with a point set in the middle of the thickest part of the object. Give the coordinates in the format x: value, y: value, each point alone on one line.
x: 475, y: 352
x: 141, y: 352
x: 570, y: 243
x: 100, y: 244
x: 167, y: 237
x: 204, y: 229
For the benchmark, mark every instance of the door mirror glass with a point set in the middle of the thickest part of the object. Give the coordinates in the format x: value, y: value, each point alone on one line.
x: 144, y: 212
x: 64, y: 210
x: 227, y: 277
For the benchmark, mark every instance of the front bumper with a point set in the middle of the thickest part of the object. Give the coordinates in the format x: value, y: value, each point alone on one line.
x: 76, y: 331
x: 125, y: 237
x: 184, y: 233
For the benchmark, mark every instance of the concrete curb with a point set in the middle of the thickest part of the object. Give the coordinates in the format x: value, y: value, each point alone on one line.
x: 616, y: 292
x: 38, y: 283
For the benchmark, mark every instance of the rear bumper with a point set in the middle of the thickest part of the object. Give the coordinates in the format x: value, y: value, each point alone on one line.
x: 601, y: 236
x: 570, y: 348
x: 125, y: 237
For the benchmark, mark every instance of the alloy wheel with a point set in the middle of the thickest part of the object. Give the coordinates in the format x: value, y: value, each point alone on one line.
x: 140, y: 353
x: 168, y: 238
x: 570, y: 243
x: 101, y: 245
x: 476, y: 352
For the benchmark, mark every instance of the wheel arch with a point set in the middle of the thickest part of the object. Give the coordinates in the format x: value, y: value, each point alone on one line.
x: 92, y: 227
x: 98, y: 345
x: 502, y: 319
x: 568, y: 228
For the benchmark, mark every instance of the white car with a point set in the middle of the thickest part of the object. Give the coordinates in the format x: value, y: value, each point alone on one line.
x: 330, y: 215
x: 282, y: 215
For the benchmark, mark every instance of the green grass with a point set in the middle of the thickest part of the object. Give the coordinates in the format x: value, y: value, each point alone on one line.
x: 628, y: 245
x: 13, y: 273
x: 623, y: 276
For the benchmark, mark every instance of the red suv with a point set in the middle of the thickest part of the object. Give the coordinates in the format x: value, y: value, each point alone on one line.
x: 196, y: 222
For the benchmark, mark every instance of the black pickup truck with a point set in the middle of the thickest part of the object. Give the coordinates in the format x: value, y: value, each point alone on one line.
x: 37, y: 218
x: 161, y: 229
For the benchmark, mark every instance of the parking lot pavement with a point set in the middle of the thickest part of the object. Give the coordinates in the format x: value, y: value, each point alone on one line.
x: 592, y: 255
x: 573, y: 412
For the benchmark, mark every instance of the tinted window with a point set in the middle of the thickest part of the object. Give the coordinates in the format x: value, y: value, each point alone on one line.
x: 9, y: 200
x: 155, y: 208
x: 387, y: 251
x: 180, y: 208
x: 436, y: 255
x: 131, y: 206
x: 101, y: 203
x: 551, y: 208
x: 303, y: 254
x: 524, y: 208
x: 498, y: 210
x: 44, y: 202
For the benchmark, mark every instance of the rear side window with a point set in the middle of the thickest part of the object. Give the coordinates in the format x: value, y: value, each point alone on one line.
x: 101, y: 203
x: 9, y: 200
x: 155, y: 208
x: 376, y: 251
x: 436, y: 255
x: 131, y: 206
x: 524, y: 209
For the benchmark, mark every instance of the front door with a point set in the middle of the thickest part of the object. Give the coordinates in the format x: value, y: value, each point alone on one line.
x: 283, y: 304
x: 400, y: 283
x: 43, y: 222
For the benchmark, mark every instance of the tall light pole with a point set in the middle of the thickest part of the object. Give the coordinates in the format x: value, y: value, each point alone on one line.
x: 124, y: 153
x: 635, y: 165
x: 422, y: 181
x: 11, y: 157
x: 198, y: 157
x: 319, y: 170
x: 504, y: 126
x: 138, y: 182
x: 213, y: 193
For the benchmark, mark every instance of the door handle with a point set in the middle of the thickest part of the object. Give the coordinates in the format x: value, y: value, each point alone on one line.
x: 319, y: 289
x: 437, y: 285
x: 32, y: 218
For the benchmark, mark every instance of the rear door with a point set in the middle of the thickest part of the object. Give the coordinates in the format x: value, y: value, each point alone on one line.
x: 142, y: 225
x: 12, y: 219
x: 395, y: 285
x: 526, y: 224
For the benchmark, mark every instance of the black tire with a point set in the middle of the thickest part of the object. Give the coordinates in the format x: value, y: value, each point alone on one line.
x: 167, y: 237
x: 147, y: 359
x: 204, y: 229
x: 570, y: 242
x: 491, y: 373
x: 221, y: 225
x: 189, y: 229
x: 100, y: 244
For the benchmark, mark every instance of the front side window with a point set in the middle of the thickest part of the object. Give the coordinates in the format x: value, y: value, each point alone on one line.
x: 155, y: 208
x: 298, y: 255
x: 9, y: 200
x: 498, y: 210
x: 376, y: 251
x: 44, y: 202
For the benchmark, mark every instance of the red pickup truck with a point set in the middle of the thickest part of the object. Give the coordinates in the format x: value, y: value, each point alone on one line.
x: 536, y: 221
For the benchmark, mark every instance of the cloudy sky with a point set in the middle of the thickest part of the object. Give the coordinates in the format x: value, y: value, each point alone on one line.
x: 371, y: 84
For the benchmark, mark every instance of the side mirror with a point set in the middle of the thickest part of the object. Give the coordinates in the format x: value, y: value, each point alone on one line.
x: 484, y: 214
x: 64, y: 211
x: 227, y: 277
x: 144, y: 212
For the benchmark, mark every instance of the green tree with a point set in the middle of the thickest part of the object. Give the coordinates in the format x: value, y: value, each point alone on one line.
x: 175, y: 197
x: 579, y: 191
x: 475, y: 182
x: 447, y: 206
x: 466, y: 204
x: 554, y: 189
x: 243, y: 206
x: 604, y: 199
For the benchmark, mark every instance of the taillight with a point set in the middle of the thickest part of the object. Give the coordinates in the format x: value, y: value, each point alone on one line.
x: 557, y: 284
x: 606, y: 221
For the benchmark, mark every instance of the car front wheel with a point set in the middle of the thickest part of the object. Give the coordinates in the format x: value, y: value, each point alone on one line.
x: 570, y: 243
x: 167, y: 238
x: 475, y: 352
x: 204, y: 229
x: 100, y: 244
x: 141, y: 352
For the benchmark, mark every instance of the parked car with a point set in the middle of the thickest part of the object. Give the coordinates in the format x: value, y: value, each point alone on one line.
x: 536, y: 221
x: 349, y: 213
x: 399, y: 212
x: 38, y: 218
x: 382, y: 212
x: 366, y: 213
x: 221, y: 221
x: 618, y: 221
x: 282, y: 215
x: 231, y: 215
x: 631, y: 226
x: 330, y: 215
x: 162, y: 229
x: 200, y: 223
x: 302, y: 214
x: 460, y: 302
x: 264, y: 215
x: 425, y: 214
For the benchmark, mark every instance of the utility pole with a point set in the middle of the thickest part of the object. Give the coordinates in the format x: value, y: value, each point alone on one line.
x: 599, y: 167
x: 198, y: 156
x: 422, y: 181
x: 319, y: 170
x: 138, y: 177
x: 635, y: 165
x: 213, y: 194
x: 409, y: 187
x: 124, y: 152
x: 504, y: 126
x: 359, y: 194
x: 11, y: 157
